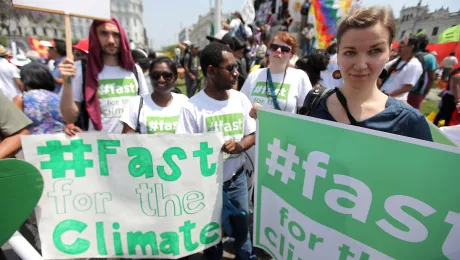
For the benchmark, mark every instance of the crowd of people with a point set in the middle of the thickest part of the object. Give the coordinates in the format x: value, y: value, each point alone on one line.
x: 111, y: 88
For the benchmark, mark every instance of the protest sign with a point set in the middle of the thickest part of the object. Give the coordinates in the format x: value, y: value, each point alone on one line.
x: 127, y: 196
x: 332, y: 191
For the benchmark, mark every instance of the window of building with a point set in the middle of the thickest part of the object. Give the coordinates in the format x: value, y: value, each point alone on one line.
x: 435, y: 31
x: 135, y: 37
x: 34, y: 31
x: 20, y: 30
x: 402, y: 34
x: 135, y: 22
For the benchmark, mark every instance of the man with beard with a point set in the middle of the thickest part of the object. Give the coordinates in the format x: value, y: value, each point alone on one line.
x: 99, y: 91
x: 220, y: 108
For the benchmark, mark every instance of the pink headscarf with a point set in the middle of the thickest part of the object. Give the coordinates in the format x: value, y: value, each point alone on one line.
x: 95, y: 65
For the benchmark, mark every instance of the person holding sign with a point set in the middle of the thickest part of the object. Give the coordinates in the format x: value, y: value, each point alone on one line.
x: 219, y: 108
x: 279, y: 86
x: 364, y: 40
x: 109, y: 79
x: 157, y: 112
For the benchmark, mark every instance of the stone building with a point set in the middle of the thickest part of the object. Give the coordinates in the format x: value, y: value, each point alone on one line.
x: 17, y: 24
x: 197, y: 33
x: 418, y: 18
x: 128, y: 12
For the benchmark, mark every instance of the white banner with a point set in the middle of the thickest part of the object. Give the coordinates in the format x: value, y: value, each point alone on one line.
x: 99, y: 9
x: 127, y: 196
x: 249, y: 13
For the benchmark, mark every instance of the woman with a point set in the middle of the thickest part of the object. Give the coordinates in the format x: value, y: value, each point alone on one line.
x: 313, y: 64
x: 157, y: 112
x: 38, y: 101
x: 236, y: 26
x: 278, y: 86
x: 364, y: 40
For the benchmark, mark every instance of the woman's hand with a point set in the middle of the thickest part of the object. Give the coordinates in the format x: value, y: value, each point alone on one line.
x: 72, y: 130
x: 253, y: 112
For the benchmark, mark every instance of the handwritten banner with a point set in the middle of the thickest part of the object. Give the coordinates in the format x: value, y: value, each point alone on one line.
x: 127, y: 196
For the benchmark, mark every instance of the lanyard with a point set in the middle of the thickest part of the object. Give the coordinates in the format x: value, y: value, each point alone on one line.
x: 272, y: 89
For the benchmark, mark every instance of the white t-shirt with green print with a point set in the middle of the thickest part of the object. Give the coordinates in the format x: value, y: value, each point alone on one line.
x: 231, y: 117
x: 153, y: 118
x: 290, y: 96
x: 117, y: 87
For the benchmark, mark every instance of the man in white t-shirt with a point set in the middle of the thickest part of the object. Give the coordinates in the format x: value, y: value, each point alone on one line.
x: 404, y: 72
x: 110, y: 81
x: 10, y: 81
x: 220, y: 108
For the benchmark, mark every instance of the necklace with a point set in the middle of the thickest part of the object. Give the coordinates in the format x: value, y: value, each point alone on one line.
x: 269, y: 96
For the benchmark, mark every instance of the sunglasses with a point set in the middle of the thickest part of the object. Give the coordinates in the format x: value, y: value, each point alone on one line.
x: 158, y: 75
x: 230, y: 67
x: 275, y: 47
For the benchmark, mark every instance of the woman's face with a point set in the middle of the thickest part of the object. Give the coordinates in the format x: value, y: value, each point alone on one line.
x: 162, y: 78
x: 363, y: 53
x: 278, y: 55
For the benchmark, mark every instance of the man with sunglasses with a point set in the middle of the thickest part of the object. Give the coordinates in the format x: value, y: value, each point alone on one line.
x: 220, y: 108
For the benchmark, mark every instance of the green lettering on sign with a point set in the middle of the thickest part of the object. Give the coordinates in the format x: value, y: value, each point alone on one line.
x: 143, y: 240
x: 141, y: 164
x: 167, y: 156
x: 79, y: 246
x: 205, y: 239
x: 170, y: 243
x: 203, y: 153
x: 58, y: 165
x: 187, y: 230
x: 102, y: 147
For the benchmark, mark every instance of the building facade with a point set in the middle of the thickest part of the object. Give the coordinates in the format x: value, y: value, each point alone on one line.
x: 184, y: 34
x: 418, y: 19
x: 128, y: 12
x: 18, y: 24
x: 197, y: 33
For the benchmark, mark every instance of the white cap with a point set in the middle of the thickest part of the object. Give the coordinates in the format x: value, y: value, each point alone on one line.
x: 46, y: 43
x: 187, y: 42
x: 217, y: 36
x: 20, y: 60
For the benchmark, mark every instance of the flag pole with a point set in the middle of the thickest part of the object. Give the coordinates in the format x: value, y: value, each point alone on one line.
x: 217, y: 16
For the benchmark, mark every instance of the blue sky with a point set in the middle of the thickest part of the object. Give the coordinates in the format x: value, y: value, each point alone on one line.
x: 163, y: 18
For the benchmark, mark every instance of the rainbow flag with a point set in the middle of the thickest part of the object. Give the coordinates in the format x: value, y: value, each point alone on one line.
x: 325, y: 15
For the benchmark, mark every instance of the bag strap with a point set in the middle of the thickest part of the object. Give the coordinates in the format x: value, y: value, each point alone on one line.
x: 84, y: 116
x: 141, y: 103
x: 343, y: 101
x: 312, y: 100
x: 272, y: 90
x: 137, y: 79
x: 394, y: 67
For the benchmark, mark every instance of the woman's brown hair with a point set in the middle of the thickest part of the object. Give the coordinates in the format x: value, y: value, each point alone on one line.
x: 368, y: 17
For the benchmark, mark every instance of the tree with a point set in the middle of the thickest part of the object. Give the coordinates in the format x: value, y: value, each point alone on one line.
x: 169, y: 50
